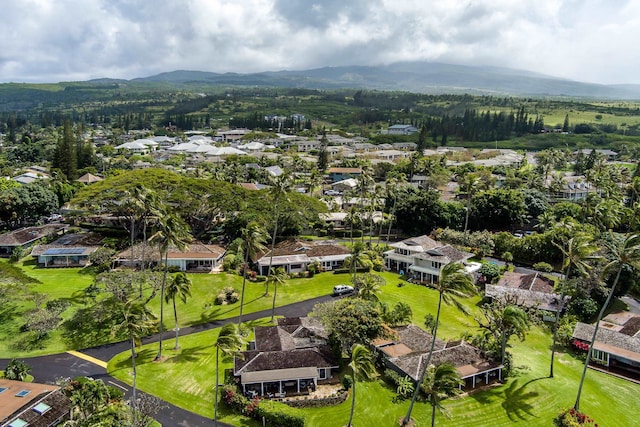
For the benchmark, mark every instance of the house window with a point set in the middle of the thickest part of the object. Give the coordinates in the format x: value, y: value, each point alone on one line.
x: 296, y: 266
x: 322, y: 373
x: 600, y: 357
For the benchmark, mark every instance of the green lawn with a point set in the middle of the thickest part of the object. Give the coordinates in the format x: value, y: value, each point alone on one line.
x: 68, y: 283
x: 529, y: 398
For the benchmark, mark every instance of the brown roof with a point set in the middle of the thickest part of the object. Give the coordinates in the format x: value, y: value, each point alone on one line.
x: 301, y: 247
x: 445, y: 254
x: 319, y: 357
x: 532, y: 282
x: 12, y: 406
x: 344, y: 170
x: 194, y: 250
x: 27, y: 235
x: 467, y: 359
x: 609, y: 340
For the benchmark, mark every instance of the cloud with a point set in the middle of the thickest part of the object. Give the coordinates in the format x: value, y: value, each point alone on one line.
x: 52, y: 40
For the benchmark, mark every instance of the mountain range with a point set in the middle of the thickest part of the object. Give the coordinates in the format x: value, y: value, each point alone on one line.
x: 420, y: 77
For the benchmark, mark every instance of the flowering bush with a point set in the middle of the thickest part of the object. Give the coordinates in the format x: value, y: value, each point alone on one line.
x: 573, y: 418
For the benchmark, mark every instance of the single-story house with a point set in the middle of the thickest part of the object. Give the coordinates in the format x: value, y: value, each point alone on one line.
x: 617, y: 346
x: 197, y: 257
x: 407, y: 350
x: 25, y: 404
x: 295, y: 255
x: 402, y: 130
x: 340, y: 174
x: 529, y: 290
x: 70, y: 250
x: 24, y: 237
x: 288, y: 358
x: 422, y: 257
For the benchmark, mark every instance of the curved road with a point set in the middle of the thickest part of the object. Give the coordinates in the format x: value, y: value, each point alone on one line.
x: 92, y: 362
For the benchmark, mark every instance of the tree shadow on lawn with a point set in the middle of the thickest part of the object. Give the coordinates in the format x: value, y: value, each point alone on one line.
x: 76, y: 298
x: 145, y: 355
x: 217, y: 312
x: 190, y: 354
x: 517, y: 400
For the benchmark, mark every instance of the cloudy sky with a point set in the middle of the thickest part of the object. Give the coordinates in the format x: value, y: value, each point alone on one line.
x: 63, y: 40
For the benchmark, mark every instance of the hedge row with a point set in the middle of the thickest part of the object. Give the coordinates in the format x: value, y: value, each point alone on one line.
x: 260, y: 410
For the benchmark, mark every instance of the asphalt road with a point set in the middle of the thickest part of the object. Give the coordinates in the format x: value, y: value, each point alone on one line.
x: 47, y: 369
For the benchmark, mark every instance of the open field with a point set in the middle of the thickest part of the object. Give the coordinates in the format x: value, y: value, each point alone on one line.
x: 528, y: 398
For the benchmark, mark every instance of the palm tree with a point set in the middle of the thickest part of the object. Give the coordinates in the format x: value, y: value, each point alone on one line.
x: 470, y: 185
x: 453, y: 282
x: 173, y: 232
x: 228, y: 343
x: 368, y: 286
x: 137, y: 321
x: 254, y: 238
x: 626, y: 254
x: 278, y: 277
x: 577, y: 253
x: 502, y: 322
x: 363, y: 368
x: 440, y: 382
x: 393, y: 182
x: 179, y: 287
x: 278, y: 192
x: 359, y: 257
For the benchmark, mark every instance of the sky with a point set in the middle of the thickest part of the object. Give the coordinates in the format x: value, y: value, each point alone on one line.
x: 73, y: 40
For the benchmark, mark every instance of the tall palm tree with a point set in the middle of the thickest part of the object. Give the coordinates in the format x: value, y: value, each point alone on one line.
x: 393, y: 183
x: 358, y: 258
x: 278, y: 277
x: 363, y: 368
x: 280, y: 185
x: 179, y: 287
x: 137, y: 321
x: 254, y: 237
x: 453, y: 282
x: 228, y: 343
x: 470, y: 184
x: 173, y: 232
x: 577, y: 253
x: 625, y: 254
x: 440, y: 382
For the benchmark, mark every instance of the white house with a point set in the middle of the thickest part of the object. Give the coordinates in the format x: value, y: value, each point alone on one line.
x: 422, y: 257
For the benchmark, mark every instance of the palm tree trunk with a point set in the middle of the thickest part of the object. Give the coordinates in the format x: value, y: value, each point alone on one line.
x: 273, y: 244
x: 557, y: 320
x: 353, y: 400
x: 244, y: 282
x: 273, y: 305
x: 160, y: 326
x: 215, y: 405
x: 395, y: 199
x: 134, y: 397
x: 175, y: 316
x: 503, y: 347
x: 407, y: 418
x: 593, y: 339
x: 433, y: 414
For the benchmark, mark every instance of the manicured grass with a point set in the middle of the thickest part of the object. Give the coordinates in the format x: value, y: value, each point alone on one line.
x: 529, y: 397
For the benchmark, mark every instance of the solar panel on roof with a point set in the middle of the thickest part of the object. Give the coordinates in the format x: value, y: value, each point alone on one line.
x: 22, y: 393
x: 3, y: 389
x: 65, y: 251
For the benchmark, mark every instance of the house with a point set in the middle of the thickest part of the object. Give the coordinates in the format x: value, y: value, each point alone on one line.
x: 197, y: 257
x: 288, y: 358
x: 25, y: 404
x: 529, y: 290
x: 408, y: 348
x: 571, y: 187
x: 70, y: 250
x: 390, y: 155
x: 29, y: 177
x: 295, y: 255
x: 340, y: 174
x: 337, y: 220
x: 348, y: 184
x: 89, y: 178
x: 402, y: 130
x: 617, y: 346
x: 422, y: 257
x: 134, y: 147
x: 24, y: 237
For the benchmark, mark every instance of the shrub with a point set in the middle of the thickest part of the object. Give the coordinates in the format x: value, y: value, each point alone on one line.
x: 257, y: 278
x: 227, y: 295
x: 543, y: 266
x: 573, y: 418
x: 272, y: 413
x: 347, y: 382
